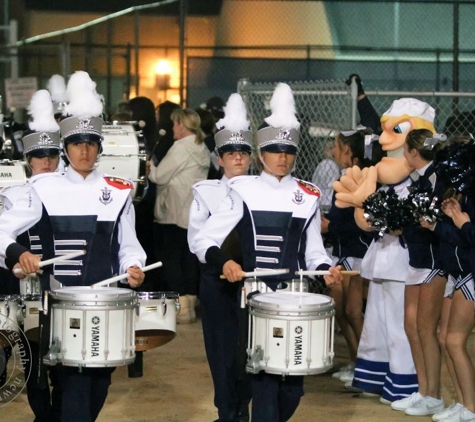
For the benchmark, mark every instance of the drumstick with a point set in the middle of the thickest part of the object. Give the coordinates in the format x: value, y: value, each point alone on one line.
x: 325, y: 272
x: 56, y: 259
x: 125, y: 275
x: 260, y: 273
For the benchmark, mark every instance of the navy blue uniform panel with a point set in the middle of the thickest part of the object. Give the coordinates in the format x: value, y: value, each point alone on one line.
x: 101, y: 259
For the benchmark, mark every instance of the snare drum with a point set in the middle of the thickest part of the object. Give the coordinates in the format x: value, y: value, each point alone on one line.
x: 121, y: 156
x: 92, y: 327
x: 30, y: 285
x: 31, y: 308
x: 156, y: 321
x: 10, y: 313
x: 290, y: 333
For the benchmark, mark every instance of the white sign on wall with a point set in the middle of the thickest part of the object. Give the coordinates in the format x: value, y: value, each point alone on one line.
x: 18, y: 91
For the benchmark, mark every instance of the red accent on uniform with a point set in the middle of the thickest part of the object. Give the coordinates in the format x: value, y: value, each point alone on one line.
x: 119, y: 183
x: 309, y: 188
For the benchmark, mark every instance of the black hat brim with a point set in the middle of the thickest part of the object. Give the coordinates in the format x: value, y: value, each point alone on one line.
x: 278, y: 148
x: 234, y: 147
x: 43, y: 152
x: 83, y: 137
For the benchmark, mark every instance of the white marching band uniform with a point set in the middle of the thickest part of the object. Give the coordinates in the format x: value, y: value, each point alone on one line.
x: 260, y: 194
x: 101, y: 221
x: 207, y: 196
x: 384, y: 362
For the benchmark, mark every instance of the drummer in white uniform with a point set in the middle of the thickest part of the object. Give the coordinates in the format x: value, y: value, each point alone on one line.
x: 220, y: 300
x: 84, y: 210
x: 277, y: 219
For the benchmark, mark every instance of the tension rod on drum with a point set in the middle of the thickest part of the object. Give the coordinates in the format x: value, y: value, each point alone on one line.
x: 125, y: 275
x: 325, y: 272
x: 54, y: 260
x: 261, y: 273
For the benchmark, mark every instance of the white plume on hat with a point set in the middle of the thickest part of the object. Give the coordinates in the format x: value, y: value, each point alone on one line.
x: 235, y: 115
x: 57, y: 88
x: 84, y: 101
x: 42, y: 113
x: 282, y: 105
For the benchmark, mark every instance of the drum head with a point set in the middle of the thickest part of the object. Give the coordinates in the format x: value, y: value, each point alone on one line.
x: 291, y: 300
x: 92, y: 294
x: 150, y: 339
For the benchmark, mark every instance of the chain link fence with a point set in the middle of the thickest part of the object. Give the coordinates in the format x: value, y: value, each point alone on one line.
x: 323, y: 108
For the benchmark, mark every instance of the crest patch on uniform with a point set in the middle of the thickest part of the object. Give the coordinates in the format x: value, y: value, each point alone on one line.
x: 298, y: 197
x: 119, y: 183
x: 106, y: 196
x: 309, y: 188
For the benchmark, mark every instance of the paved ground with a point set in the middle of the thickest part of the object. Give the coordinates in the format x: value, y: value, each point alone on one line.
x: 176, y: 387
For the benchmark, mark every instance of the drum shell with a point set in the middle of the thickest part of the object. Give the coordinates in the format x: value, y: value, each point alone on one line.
x: 31, y: 306
x: 10, y: 313
x: 296, y: 338
x: 30, y: 285
x: 121, y: 155
x: 94, y: 326
x: 156, y: 320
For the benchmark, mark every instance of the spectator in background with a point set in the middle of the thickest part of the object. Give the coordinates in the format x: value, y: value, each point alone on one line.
x: 368, y: 115
x: 143, y: 112
x: 326, y: 172
x: 208, y: 126
x: 215, y: 105
x: 165, y: 130
x: 186, y: 163
x: 123, y: 113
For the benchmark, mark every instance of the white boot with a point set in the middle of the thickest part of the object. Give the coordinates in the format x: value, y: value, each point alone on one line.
x: 184, y: 316
x: 193, y: 301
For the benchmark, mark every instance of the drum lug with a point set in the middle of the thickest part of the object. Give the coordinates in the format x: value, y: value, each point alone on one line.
x: 164, y: 307
x: 177, y: 306
x: 253, y: 363
x: 51, y: 358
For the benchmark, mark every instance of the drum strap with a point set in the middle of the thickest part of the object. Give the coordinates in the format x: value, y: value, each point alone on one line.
x: 45, y: 328
x: 243, y: 329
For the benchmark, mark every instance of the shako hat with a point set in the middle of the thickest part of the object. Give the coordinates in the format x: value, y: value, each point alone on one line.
x: 280, y: 131
x: 233, y: 129
x: 43, y: 139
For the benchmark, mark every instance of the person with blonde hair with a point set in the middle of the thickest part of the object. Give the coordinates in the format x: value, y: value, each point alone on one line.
x: 186, y: 163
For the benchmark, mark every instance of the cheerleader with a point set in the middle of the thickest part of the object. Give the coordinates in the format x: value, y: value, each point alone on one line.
x: 457, y: 317
x: 425, y: 284
x: 350, y: 243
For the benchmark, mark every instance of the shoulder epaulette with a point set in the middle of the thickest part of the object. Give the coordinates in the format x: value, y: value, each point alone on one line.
x: 309, y: 188
x: 118, y: 182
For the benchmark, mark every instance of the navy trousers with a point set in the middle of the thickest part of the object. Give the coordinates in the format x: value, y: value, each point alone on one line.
x: 274, y: 398
x: 219, y: 302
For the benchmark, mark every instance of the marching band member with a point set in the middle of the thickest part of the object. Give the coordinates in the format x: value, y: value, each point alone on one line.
x: 41, y: 148
x: 83, y: 210
x: 277, y: 219
x: 220, y: 300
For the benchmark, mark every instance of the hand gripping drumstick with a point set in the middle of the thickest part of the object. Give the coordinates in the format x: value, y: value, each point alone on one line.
x: 54, y: 260
x: 108, y: 281
x: 260, y: 273
x: 325, y: 272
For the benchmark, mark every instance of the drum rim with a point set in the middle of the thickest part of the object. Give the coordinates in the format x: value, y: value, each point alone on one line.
x: 159, y: 295
x: 96, y: 294
x: 255, y: 299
